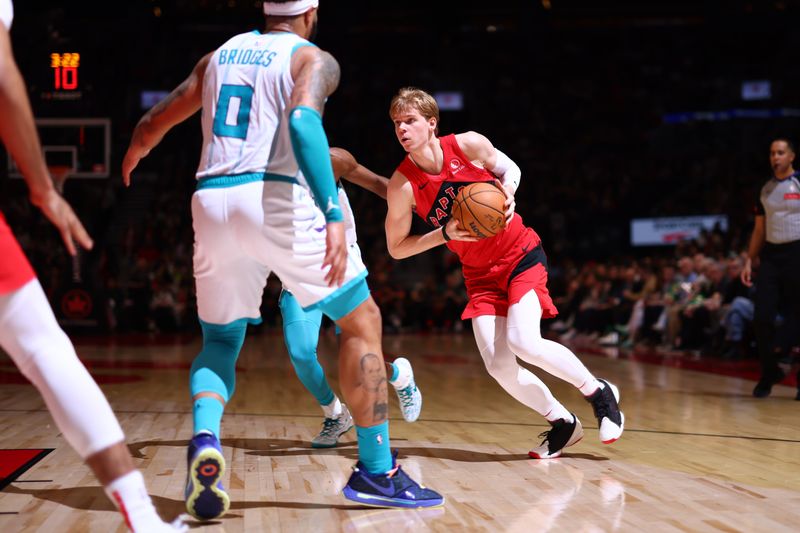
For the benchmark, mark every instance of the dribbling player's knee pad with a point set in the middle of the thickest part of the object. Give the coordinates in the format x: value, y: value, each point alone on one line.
x: 214, y: 369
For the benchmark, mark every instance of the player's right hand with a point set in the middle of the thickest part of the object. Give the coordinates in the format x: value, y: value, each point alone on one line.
x: 335, y: 254
x: 59, y: 212
x: 747, y: 273
x: 131, y: 160
x: 510, y: 204
x: 457, y: 233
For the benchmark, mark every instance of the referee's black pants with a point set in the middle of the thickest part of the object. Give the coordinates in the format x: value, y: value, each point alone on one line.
x: 777, y: 286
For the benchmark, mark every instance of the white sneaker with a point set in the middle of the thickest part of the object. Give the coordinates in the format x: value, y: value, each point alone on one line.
x: 559, y: 436
x: 611, y: 339
x: 610, y: 420
x: 410, y: 397
x: 332, y: 429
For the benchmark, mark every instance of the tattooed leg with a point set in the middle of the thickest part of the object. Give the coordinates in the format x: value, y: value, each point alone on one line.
x: 362, y: 372
x: 362, y: 376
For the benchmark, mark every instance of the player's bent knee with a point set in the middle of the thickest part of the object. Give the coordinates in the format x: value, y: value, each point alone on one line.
x: 502, y: 371
x: 364, y: 318
x: 302, y: 351
x: 50, y: 348
x: 530, y: 345
x: 214, y: 369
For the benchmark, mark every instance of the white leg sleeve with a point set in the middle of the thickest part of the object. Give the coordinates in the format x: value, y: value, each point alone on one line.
x: 501, y: 363
x: 44, y: 354
x: 525, y: 340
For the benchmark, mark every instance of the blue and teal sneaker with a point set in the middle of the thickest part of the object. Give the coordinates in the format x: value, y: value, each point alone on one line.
x: 393, y: 489
x: 205, y: 497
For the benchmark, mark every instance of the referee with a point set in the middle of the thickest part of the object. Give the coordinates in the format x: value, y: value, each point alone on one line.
x: 776, y: 236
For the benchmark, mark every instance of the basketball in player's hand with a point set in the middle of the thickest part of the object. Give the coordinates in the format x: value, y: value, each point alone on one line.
x: 479, y: 208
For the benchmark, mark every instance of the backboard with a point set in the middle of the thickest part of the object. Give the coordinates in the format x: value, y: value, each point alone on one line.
x: 82, y: 144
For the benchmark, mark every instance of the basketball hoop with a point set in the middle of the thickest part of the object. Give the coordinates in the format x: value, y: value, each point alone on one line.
x: 59, y: 173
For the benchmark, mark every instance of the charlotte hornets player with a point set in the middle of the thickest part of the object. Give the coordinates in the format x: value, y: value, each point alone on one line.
x: 301, y: 328
x: 266, y: 200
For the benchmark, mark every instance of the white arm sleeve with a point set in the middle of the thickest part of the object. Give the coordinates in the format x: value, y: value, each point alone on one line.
x: 6, y: 13
x: 508, y: 171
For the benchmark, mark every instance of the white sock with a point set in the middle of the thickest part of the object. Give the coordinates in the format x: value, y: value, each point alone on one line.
x: 403, y: 377
x: 130, y: 496
x: 590, y: 387
x: 333, y: 409
x: 559, y: 412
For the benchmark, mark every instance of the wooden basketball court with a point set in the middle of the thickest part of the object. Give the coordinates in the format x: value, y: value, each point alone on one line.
x: 698, y: 454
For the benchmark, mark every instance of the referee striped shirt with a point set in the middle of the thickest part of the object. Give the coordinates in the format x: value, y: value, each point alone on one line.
x: 779, y: 201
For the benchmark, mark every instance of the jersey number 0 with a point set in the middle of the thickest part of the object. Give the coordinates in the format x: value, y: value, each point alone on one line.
x: 235, y: 126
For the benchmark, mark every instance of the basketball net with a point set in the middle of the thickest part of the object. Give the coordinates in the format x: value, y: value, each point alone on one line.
x: 59, y: 174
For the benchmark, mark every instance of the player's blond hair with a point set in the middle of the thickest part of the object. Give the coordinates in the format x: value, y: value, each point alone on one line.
x: 413, y: 98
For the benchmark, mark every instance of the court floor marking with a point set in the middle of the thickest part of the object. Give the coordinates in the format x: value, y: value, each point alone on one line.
x: 451, y: 421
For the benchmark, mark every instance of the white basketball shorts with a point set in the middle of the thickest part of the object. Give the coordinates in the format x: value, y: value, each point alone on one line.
x: 244, y: 232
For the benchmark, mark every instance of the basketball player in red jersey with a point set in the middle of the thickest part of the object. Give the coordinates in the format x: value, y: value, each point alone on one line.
x: 29, y: 331
x: 505, y: 275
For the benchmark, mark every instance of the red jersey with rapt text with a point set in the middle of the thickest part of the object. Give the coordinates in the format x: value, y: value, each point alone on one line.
x: 499, y: 270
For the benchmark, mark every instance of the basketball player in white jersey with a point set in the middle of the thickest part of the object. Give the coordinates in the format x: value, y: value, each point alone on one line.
x: 29, y: 331
x: 301, y: 328
x: 266, y: 201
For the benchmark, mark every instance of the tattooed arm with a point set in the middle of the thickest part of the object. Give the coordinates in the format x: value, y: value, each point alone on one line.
x: 181, y: 104
x: 316, y: 75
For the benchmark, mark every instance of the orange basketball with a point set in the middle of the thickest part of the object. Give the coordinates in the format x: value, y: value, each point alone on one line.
x: 479, y: 209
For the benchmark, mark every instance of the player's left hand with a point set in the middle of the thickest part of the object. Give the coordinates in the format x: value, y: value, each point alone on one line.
x: 510, y: 203
x: 335, y: 254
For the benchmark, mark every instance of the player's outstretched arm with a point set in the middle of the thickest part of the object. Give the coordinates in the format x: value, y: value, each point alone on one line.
x: 18, y: 131
x: 180, y: 104
x: 346, y: 166
x: 399, y: 241
x: 479, y: 149
x: 316, y: 76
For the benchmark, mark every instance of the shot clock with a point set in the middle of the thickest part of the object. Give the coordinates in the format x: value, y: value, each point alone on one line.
x: 65, y: 70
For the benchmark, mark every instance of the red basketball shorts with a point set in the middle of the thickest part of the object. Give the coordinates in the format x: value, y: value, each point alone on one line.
x: 492, y: 292
x: 15, y: 270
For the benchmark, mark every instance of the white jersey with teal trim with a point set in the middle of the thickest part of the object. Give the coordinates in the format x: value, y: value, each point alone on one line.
x: 246, y: 92
x: 253, y: 212
x: 349, y: 219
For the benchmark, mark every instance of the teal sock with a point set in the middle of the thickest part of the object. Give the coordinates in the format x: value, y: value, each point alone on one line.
x: 395, y: 372
x: 207, y: 415
x: 373, y: 448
